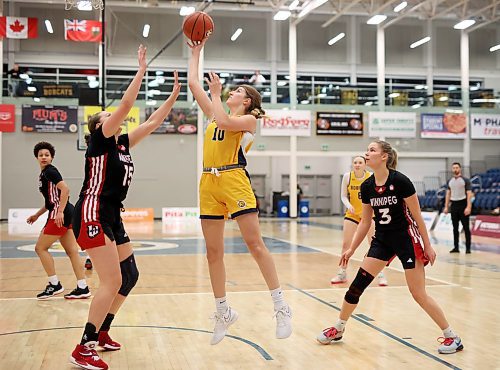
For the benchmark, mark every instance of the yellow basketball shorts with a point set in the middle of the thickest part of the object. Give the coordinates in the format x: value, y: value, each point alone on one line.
x: 352, y: 217
x: 229, y: 193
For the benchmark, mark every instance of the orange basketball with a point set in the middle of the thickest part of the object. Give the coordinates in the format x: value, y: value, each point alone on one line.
x: 198, y: 26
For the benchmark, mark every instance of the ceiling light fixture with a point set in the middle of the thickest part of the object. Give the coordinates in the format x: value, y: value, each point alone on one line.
x: 339, y: 37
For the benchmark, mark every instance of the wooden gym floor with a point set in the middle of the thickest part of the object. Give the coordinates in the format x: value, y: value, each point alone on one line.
x: 165, y: 323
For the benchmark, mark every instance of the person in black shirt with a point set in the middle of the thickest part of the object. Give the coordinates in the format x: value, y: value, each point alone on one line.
x: 97, y: 222
x: 390, y: 197
x: 56, y: 195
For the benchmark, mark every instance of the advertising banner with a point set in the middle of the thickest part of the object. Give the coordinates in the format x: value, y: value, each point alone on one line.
x: 7, y: 117
x: 48, y: 90
x: 442, y: 126
x: 138, y: 215
x: 392, y: 124
x: 485, y: 126
x: 17, y: 224
x: 279, y: 122
x: 48, y: 118
x: 129, y: 124
x: 180, y: 214
x: 179, y: 121
x: 486, y: 226
x: 339, y: 123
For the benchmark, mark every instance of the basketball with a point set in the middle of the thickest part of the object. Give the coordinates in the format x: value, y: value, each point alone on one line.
x: 198, y: 26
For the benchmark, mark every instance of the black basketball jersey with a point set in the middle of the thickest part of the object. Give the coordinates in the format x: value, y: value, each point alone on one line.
x: 387, y: 201
x: 47, y: 181
x: 108, y: 169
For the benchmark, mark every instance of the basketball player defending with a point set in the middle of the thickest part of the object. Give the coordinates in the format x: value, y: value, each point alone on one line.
x: 98, y: 225
x: 225, y: 189
x: 58, y: 225
x: 399, y: 231
x: 351, y: 198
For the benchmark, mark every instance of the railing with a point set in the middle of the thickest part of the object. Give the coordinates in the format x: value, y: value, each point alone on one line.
x: 311, y: 89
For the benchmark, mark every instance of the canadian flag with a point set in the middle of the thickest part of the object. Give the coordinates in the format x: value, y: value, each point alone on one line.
x: 83, y: 31
x: 19, y: 27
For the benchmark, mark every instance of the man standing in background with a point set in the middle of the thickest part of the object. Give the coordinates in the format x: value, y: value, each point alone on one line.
x: 460, y: 194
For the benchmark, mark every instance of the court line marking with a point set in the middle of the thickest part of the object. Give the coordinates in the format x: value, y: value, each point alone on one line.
x: 319, y: 249
x: 380, y: 330
x: 293, y: 290
x: 258, y: 348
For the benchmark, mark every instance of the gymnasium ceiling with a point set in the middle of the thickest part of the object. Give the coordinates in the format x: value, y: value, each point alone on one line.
x: 482, y: 11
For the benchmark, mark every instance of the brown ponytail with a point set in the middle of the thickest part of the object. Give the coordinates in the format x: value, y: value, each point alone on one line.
x: 255, y: 108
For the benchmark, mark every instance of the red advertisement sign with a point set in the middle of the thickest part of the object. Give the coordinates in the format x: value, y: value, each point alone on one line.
x: 7, y: 117
x: 487, y: 226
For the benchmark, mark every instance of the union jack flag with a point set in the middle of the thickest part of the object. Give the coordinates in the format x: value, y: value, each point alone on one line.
x: 75, y: 25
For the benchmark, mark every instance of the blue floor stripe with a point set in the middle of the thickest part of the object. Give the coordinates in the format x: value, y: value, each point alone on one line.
x: 392, y: 336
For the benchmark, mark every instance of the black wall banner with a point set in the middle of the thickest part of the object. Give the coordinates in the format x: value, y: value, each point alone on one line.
x: 48, y: 90
x: 339, y: 123
x: 49, y: 118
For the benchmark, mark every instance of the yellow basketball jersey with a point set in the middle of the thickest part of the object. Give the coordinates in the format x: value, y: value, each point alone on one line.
x: 353, y: 191
x: 223, y: 148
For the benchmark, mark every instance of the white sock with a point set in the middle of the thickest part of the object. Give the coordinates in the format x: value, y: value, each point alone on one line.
x: 82, y: 284
x: 53, y: 280
x: 340, y: 325
x: 448, y: 333
x: 342, y: 271
x: 278, y: 298
x: 221, y: 305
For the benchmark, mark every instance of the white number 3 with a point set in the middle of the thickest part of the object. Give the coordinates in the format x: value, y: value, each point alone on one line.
x: 385, y: 216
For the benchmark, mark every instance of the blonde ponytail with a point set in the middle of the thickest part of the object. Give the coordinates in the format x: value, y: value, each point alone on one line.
x: 392, y: 154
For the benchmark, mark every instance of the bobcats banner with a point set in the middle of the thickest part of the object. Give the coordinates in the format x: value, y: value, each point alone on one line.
x: 48, y: 118
x: 279, y: 122
x: 130, y: 123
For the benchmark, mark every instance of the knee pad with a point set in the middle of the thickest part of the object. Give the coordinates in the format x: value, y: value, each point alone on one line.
x: 362, y: 280
x: 130, y: 275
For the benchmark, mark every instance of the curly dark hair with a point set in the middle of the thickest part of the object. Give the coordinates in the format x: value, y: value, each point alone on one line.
x: 44, y: 145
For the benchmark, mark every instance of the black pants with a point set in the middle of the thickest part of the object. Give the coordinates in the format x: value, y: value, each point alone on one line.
x: 457, y: 214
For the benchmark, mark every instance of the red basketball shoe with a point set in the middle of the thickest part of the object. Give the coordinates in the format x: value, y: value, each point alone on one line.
x: 107, y: 343
x: 330, y: 335
x: 86, y: 357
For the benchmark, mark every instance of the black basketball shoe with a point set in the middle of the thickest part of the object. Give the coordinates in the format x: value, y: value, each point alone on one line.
x: 78, y: 293
x: 50, y: 291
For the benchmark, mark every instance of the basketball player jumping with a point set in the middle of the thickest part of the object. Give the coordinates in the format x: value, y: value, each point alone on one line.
x: 225, y: 189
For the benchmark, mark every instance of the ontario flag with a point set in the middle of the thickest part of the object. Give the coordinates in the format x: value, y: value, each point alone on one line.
x: 18, y: 27
x: 82, y: 31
